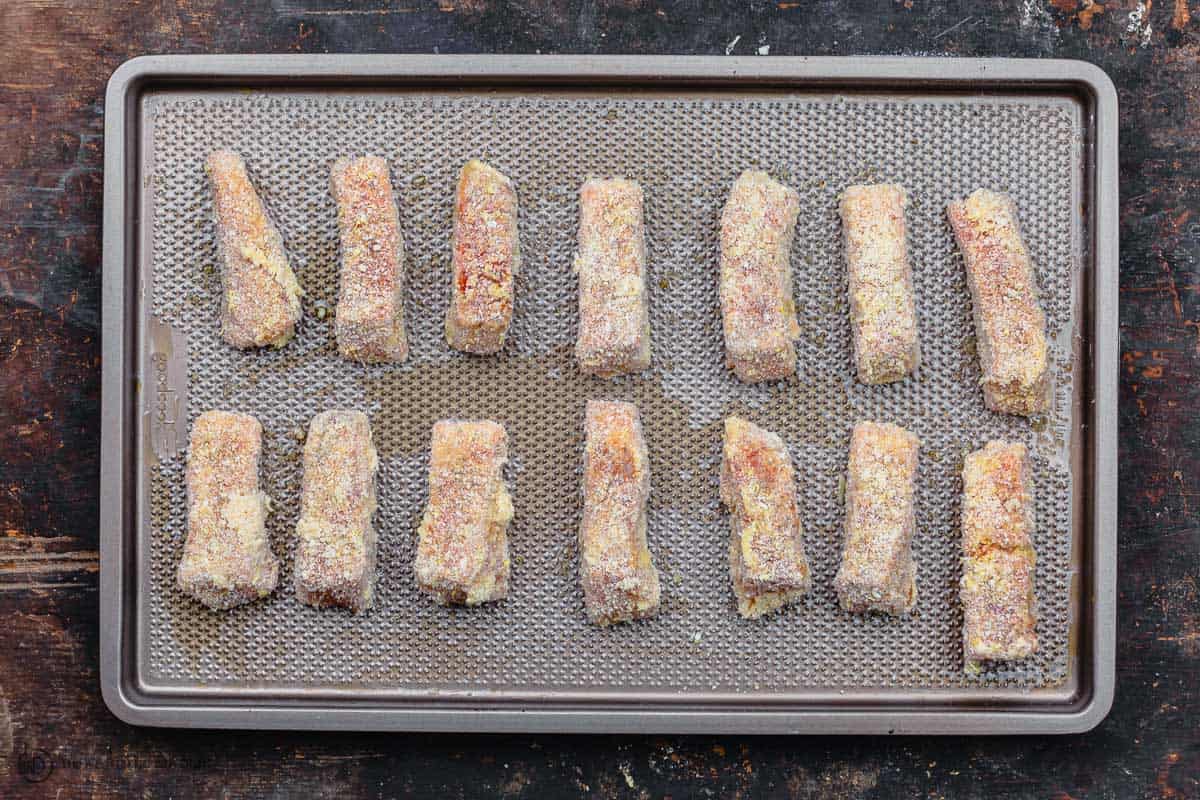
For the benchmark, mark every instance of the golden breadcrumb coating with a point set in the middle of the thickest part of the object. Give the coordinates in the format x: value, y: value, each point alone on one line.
x: 261, y: 303
x: 370, y: 311
x: 1009, y: 324
x: 620, y: 582
x: 486, y: 259
x: 758, y: 313
x: 883, y: 312
x: 998, y: 557
x: 877, y: 571
x: 462, y: 550
x: 227, y: 558
x: 614, y: 317
x: 335, y: 550
x: 766, y: 547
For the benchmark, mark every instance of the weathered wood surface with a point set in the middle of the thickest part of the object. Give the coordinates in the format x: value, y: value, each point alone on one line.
x: 56, y: 737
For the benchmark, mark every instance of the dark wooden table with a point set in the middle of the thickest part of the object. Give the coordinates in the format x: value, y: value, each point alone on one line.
x: 57, y: 738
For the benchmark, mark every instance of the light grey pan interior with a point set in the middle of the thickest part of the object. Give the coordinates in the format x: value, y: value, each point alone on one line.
x: 684, y: 128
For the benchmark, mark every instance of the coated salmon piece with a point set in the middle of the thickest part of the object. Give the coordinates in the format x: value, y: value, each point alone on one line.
x: 336, y: 542
x: 614, y: 316
x: 227, y: 559
x: 877, y: 571
x: 766, y: 548
x: 261, y: 303
x: 462, y: 549
x: 485, y: 261
x: 620, y: 582
x: 1009, y: 323
x: 758, y: 313
x: 883, y: 313
x: 369, y: 322
x: 998, y: 556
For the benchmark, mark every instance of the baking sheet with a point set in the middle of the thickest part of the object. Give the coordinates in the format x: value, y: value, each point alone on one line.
x: 685, y: 147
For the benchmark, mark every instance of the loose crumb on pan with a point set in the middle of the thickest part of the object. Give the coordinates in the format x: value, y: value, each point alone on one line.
x: 261, y: 302
x: 335, y: 540
x: 1009, y: 323
x: 767, y: 563
x: 462, y: 548
x: 620, y: 581
x: 370, y: 311
x: 227, y: 559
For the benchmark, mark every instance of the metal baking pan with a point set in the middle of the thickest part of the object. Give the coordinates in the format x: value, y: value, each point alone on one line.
x: 1044, y: 131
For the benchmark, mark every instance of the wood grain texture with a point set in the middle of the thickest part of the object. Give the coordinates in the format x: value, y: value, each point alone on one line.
x: 56, y: 737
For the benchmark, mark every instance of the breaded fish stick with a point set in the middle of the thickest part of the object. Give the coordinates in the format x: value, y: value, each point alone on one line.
x: 1009, y: 323
x: 883, y: 312
x: 262, y: 299
x: 998, y: 555
x: 370, y: 310
x: 227, y: 558
x: 877, y: 571
x: 462, y: 552
x: 614, y: 318
x: 618, y: 576
x: 335, y: 552
x: 766, y: 548
x: 486, y: 258
x: 757, y: 310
